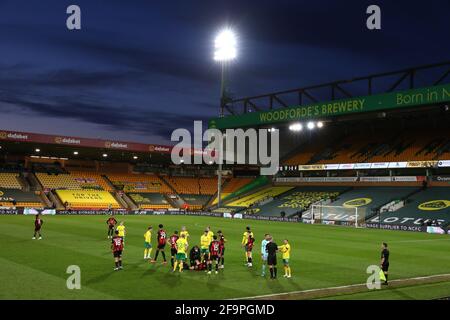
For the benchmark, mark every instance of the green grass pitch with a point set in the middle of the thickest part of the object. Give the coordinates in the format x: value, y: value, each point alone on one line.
x: 322, y: 256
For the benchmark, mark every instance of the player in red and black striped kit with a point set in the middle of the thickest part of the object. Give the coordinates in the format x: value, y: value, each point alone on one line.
x: 173, y: 246
x: 222, y: 241
x: 111, y: 222
x: 117, y: 248
x: 162, y: 240
x: 38, y: 222
x: 214, y: 252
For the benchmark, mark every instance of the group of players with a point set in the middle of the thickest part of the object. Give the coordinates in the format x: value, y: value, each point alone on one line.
x: 211, y: 252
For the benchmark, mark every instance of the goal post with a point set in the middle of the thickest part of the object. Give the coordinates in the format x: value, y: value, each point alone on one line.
x: 339, y: 215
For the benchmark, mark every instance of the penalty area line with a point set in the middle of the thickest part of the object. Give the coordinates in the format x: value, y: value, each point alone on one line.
x: 346, y: 289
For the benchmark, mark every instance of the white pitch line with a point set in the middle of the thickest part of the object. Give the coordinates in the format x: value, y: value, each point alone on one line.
x: 420, y: 240
x: 337, y: 288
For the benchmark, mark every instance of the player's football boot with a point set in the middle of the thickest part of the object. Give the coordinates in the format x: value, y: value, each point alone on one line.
x: 34, y: 238
x: 209, y: 272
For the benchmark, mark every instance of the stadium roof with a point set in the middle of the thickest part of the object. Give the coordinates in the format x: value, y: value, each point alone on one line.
x: 25, y: 143
x: 404, y: 89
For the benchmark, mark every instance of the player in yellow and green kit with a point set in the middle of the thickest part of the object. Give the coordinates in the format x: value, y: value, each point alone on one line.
x: 210, y: 234
x: 185, y: 232
x: 205, y: 241
x: 148, y: 243
x: 182, y: 246
x: 285, y: 249
x: 247, y: 244
x: 121, y: 229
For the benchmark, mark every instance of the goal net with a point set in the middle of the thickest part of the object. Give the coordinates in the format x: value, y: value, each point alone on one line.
x: 338, y: 215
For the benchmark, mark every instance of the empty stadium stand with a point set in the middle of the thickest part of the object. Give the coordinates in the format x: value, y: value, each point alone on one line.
x: 297, y: 200
x: 431, y: 203
x: 261, y: 195
x: 150, y: 200
x: 369, y: 199
x: 191, y: 185
x: 363, y: 145
x: 10, y: 181
x: 140, y: 183
x: 196, y: 201
x: 234, y: 184
x: 231, y: 185
x: 19, y: 198
x: 74, y: 180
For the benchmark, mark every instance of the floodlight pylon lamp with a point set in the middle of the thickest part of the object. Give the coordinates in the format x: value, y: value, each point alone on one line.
x: 225, y: 46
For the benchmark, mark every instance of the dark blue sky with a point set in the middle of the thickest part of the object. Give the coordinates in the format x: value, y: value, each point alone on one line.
x: 139, y: 69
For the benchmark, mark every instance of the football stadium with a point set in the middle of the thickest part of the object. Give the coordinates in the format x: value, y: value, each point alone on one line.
x: 361, y: 163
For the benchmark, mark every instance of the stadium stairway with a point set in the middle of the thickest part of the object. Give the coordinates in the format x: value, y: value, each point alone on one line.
x: 23, y: 182
x: 172, y: 202
x: 45, y: 199
x: 34, y: 185
x: 179, y: 203
x: 122, y: 199
x: 56, y: 201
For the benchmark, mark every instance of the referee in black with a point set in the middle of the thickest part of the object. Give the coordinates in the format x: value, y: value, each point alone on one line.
x: 385, y: 261
x: 272, y: 249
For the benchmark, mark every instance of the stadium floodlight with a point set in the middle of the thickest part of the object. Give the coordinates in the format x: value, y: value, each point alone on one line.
x: 37, y: 150
x: 225, y: 45
x: 105, y: 155
x: 135, y: 157
x: 271, y: 129
x: 311, y: 125
x: 320, y: 124
x: 75, y: 153
x: 296, y: 127
x: 224, y: 50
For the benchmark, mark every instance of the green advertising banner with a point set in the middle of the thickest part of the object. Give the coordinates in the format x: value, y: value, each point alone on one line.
x: 388, y: 101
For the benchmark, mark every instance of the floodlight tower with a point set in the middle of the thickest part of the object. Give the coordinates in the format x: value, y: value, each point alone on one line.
x: 224, y: 51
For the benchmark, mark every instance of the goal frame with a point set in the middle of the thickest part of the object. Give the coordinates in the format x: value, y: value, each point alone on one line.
x: 316, y: 211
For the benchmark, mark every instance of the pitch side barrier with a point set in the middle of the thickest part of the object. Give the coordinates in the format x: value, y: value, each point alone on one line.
x: 10, y: 211
x: 384, y: 226
x: 178, y: 213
